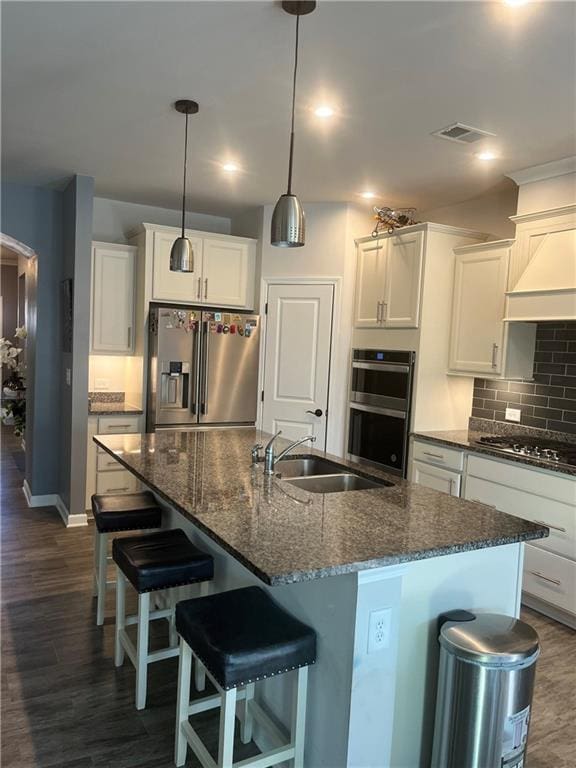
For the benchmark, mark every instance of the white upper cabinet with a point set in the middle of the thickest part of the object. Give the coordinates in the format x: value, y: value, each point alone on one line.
x: 223, y: 269
x: 388, y: 281
x: 228, y: 270
x: 370, y: 280
x: 403, y: 278
x: 174, y: 286
x: 112, y: 327
x: 480, y: 341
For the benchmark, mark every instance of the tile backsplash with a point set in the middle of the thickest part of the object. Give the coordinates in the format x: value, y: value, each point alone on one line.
x: 549, y: 401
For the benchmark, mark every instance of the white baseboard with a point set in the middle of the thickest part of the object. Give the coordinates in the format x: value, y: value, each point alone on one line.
x: 54, y: 500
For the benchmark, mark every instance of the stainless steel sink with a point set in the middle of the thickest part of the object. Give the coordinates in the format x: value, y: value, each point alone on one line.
x: 307, y: 466
x: 336, y: 483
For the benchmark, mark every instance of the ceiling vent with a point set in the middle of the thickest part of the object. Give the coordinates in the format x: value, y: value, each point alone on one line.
x: 463, y: 134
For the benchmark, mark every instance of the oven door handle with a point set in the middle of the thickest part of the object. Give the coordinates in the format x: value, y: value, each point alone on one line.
x: 387, y: 367
x: 374, y: 409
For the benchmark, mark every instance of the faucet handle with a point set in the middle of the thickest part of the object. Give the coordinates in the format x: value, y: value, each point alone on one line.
x: 256, y: 453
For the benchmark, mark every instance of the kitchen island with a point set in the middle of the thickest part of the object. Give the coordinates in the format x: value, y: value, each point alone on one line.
x: 370, y: 570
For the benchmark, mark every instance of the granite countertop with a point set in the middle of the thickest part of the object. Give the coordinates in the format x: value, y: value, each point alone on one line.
x: 285, y: 534
x: 110, y: 409
x: 466, y: 439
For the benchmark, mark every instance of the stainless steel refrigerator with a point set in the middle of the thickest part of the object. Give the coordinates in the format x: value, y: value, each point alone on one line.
x: 202, y: 367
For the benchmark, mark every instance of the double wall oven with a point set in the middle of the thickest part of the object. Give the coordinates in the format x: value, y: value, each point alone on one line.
x: 380, y: 398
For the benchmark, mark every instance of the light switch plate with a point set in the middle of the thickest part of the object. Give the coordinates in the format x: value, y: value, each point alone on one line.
x: 513, y: 414
x: 68, y: 377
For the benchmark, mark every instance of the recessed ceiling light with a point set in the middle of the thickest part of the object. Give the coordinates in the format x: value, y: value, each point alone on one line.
x: 324, y: 111
x: 230, y: 167
x: 368, y: 195
x: 487, y: 155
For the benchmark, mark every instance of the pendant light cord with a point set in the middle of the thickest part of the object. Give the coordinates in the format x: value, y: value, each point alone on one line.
x: 293, y: 108
x: 184, y: 183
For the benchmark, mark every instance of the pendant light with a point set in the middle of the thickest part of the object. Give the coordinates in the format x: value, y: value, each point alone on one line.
x: 288, y: 222
x: 182, y: 253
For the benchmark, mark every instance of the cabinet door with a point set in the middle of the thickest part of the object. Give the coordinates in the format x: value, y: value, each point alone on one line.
x: 228, y: 272
x: 183, y: 287
x: 436, y: 477
x: 403, y: 280
x: 112, y: 300
x: 370, y: 277
x: 477, y: 335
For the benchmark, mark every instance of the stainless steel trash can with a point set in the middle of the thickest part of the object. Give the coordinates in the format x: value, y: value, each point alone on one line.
x: 485, y: 685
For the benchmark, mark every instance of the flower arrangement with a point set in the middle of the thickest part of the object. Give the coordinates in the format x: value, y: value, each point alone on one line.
x: 14, y: 385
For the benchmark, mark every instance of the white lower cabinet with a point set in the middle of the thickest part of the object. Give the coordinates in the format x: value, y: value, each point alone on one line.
x: 103, y: 473
x: 435, y: 477
x: 550, y: 578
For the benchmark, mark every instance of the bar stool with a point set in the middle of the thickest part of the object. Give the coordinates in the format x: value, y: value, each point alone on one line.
x: 114, y: 513
x: 164, y: 560
x: 240, y: 637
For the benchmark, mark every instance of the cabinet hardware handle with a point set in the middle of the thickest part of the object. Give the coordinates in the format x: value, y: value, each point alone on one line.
x: 546, y: 578
x: 495, y: 355
x: 129, y: 336
x: 553, y: 527
x: 452, y: 485
x: 378, y: 305
x: 478, y: 501
x: 199, y: 288
x: 205, y: 287
x: 119, y: 426
x: 115, y: 490
x: 434, y: 455
x: 384, y: 311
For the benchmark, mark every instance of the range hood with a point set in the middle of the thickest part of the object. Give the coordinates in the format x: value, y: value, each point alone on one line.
x: 546, y: 288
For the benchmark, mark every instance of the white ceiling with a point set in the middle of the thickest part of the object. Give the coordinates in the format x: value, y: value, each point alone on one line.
x: 87, y: 88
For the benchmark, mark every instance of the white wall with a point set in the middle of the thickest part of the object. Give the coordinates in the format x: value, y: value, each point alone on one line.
x: 546, y: 194
x: 488, y: 212
x: 114, y: 220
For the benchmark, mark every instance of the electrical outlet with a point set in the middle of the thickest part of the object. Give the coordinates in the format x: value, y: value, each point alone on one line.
x: 68, y: 377
x: 102, y: 385
x: 513, y: 414
x: 379, y: 630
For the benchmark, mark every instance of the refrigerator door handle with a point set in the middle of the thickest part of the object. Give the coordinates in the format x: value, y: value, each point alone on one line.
x: 204, y: 364
x: 196, y: 368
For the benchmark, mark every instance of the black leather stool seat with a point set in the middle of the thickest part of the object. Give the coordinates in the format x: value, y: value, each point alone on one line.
x: 242, y: 636
x: 126, y: 512
x: 161, y: 560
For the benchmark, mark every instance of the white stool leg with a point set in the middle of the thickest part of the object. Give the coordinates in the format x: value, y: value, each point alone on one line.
x: 102, y: 568
x: 182, y: 702
x: 142, y: 649
x: 199, y: 671
x: 120, y: 616
x: 247, y: 720
x: 172, y: 634
x: 299, y: 716
x: 227, y: 720
x: 96, y: 548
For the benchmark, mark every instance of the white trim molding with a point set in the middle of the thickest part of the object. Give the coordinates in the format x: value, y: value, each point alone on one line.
x: 544, y: 171
x: 54, y: 500
x: 564, y: 210
x: 428, y: 226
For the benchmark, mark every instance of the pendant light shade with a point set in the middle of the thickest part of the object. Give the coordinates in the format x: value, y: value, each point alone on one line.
x: 182, y: 253
x: 288, y: 227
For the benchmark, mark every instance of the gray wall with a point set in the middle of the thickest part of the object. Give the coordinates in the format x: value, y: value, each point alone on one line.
x: 77, y: 231
x: 33, y: 215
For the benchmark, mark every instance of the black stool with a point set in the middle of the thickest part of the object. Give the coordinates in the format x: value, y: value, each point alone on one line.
x: 240, y: 637
x: 114, y: 513
x: 157, y: 561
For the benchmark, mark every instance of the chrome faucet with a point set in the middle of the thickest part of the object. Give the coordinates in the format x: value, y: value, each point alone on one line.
x: 270, y: 459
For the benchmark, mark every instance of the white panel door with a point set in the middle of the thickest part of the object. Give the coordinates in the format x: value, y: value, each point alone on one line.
x: 112, y: 299
x: 297, y: 360
x: 182, y: 287
x: 403, y: 279
x: 477, y: 334
x: 370, y: 284
x: 227, y: 273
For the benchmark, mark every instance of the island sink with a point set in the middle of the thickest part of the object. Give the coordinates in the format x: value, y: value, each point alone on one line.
x: 336, y: 483
x: 306, y: 466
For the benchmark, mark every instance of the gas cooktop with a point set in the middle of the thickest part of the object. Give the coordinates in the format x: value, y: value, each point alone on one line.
x: 553, y: 451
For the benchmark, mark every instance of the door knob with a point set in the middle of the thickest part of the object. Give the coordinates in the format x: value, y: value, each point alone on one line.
x: 317, y: 412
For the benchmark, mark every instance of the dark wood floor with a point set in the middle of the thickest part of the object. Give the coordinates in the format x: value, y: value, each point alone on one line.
x: 65, y: 705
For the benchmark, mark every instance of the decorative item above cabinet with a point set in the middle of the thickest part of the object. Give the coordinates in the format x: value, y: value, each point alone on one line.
x: 388, y: 280
x: 224, y: 268
x: 481, y: 342
x: 112, y: 310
